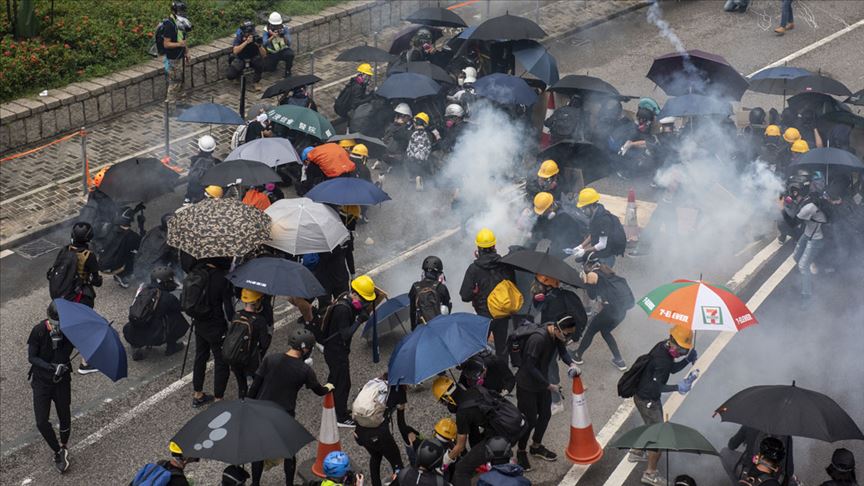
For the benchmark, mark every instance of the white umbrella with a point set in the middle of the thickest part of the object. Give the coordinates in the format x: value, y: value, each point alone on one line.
x: 274, y: 151
x: 302, y: 226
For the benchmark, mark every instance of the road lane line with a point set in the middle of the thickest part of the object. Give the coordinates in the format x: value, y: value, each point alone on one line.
x: 5, y: 253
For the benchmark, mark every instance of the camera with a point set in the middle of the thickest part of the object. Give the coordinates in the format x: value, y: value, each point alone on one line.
x: 350, y: 479
x: 257, y: 39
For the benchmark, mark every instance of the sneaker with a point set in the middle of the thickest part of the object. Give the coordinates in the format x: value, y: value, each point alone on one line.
x: 654, y: 479
x: 557, y: 407
x: 790, y: 26
x: 137, y: 354
x: 347, y: 423
x: 543, y: 453
x: 61, y: 460
x: 86, y: 369
x: 637, y: 456
x: 577, y: 358
x: 620, y: 364
x: 204, y: 400
x: 172, y: 348
x: 522, y: 460
x: 121, y: 282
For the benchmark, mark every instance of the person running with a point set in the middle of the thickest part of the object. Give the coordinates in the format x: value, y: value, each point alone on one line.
x: 606, y: 235
x: 48, y: 352
x: 616, y: 299
x: 247, y: 339
x: 155, y: 317
x: 429, y: 296
x: 787, y: 19
x: 279, y: 379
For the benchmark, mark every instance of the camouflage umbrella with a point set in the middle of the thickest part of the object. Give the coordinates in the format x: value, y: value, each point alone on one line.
x: 218, y: 228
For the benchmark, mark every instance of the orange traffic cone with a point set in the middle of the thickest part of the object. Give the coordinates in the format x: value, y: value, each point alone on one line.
x: 328, y: 436
x: 631, y: 222
x: 583, y: 447
x: 545, y: 134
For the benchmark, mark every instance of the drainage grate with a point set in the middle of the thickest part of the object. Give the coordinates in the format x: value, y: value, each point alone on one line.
x: 36, y: 248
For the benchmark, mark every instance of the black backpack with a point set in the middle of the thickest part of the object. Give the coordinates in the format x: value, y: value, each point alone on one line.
x: 427, y: 302
x: 619, y: 294
x: 63, y: 277
x: 502, y: 417
x: 193, y: 298
x: 143, y: 308
x: 517, y: 338
x: 629, y: 381
x: 159, y: 37
x: 617, y: 238
x: 237, y: 347
x: 342, y: 105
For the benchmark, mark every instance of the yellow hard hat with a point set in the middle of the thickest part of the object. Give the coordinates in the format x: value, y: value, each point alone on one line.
x: 361, y: 150
x: 800, y: 146
x: 97, y: 179
x: 249, y: 295
x: 442, y: 389
x: 547, y: 169
x: 446, y: 427
x: 682, y: 336
x: 174, y: 448
x: 214, y: 191
x: 772, y: 131
x: 485, y: 238
x: 791, y: 134
x: 351, y: 210
x: 542, y: 202
x: 587, y: 196
x: 366, y: 69
x: 365, y: 287
x: 422, y: 116
x: 347, y: 143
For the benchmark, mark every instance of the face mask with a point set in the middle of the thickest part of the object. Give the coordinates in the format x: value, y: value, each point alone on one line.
x: 449, y: 123
x: 360, y: 79
x: 56, y: 335
x: 675, y: 352
x: 170, y: 286
x: 481, y: 380
x: 461, y: 81
x: 356, y: 304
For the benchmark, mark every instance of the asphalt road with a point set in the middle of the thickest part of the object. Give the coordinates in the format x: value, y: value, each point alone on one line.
x: 815, y: 344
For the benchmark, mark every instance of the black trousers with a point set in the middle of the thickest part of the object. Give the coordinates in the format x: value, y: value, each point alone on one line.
x: 500, y: 328
x: 468, y: 463
x: 340, y: 377
x: 242, y: 385
x: 237, y: 65
x: 128, y: 266
x: 272, y: 60
x: 537, y: 408
x: 208, y: 342
x: 380, y: 444
x: 61, y: 394
x: 289, y: 465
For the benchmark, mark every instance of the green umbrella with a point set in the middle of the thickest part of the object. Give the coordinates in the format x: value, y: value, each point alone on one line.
x: 665, y: 436
x: 303, y: 120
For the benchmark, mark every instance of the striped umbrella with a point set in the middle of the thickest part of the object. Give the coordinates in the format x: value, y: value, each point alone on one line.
x: 698, y: 306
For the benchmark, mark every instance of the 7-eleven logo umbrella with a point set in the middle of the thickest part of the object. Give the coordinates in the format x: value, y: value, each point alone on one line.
x: 698, y: 306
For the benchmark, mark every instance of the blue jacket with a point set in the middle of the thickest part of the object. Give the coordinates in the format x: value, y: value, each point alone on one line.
x: 504, y: 475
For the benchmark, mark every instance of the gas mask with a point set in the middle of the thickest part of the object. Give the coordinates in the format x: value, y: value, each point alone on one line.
x: 677, y: 352
x: 449, y: 123
x: 539, y: 291
x: 357, y: 304
x: 56, y: 335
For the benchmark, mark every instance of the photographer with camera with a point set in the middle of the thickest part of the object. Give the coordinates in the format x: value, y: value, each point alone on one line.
x: 171, y: 41
x: 248, y: 48
x: 48, y: 351
x: 277, y: 43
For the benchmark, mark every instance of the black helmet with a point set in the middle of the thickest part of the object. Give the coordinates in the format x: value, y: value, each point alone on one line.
x: 52, y: 312
x: 82, y: 232
x: 161, y: 274
x: 842, y: 462
x: 757, y: 116
x: 771, y: 448
x: 498, y: 450
x: 247, y: 27
x: 430, y: 454
x: 433, y: 264
x: 301, y: 339
x: 124, y: 217
x: 178, y: 7
x: 473, y: 368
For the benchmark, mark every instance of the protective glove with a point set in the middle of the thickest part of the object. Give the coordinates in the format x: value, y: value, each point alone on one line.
x: 329, y: 387
x: 624, y: 148
x: 574, y: 371
x: 692, y: 356
x: 447, y: 459
x: 578, y: 251
x: 687, y: 383
x: 554, y: 388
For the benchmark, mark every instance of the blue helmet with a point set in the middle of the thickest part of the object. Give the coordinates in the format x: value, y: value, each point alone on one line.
x: 336, y: 465
x: 305, y: 153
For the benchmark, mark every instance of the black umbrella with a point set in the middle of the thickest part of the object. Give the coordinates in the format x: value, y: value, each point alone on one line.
x: 365, y: 54
x: 138, y: 179
x: 437, y: 16
x: 376, y: 146
x: 409, y: 86
x: 820, y: 103
x: 695, y: 105
x: 507, y: 27
x: 536, y: 59
x: 844, y: 118
x: 402, y: 41
x: 289, y: 84
x: 776, y: 80
x: 586, y: 157
x: 277, y: 276
x: 425, y: 68
x: 790, y: 410
x: 856, y: 99
x: 697, y: 72
x: 828, y: 157
x: 574, y: 84
x: 819, y: 83
x: 241, y: 172
x: 241, y: 431
x: 544, y: 264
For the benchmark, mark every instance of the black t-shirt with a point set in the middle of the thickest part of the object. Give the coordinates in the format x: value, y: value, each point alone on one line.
x: 471, y: 417
x: 536, y: 354
x: 599, y: 226
x: 42, y: 355
x: 250, y: 51
x: 280, y: 377
x: 170, y: 32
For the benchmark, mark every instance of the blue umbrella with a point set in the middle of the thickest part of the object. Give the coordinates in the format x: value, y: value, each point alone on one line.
x: 94, y: 337
x: 505, y: 89
x: 408, y: 86
x: 347, y: 191
x: 445, y: 342
x: 695, y: 105
x: 213, y: 113
x: 776, y: 80
x: 388, y: 316
x: 277, y: 276
x: 534, y: 57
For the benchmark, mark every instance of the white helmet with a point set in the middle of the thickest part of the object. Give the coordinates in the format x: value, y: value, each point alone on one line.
x: 470, y: 75
x: 275, y: 19
x: 454, y: 110
x: 667, y: 120
x: 403, y: 109
x: 207, y: 143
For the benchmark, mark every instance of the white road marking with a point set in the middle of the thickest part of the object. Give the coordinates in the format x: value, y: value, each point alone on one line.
x: 5, y: 253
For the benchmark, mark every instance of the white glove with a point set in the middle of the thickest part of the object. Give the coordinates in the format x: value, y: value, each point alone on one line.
x: 578, y: 252
x: 447, y: 459
x: 329, y: 387
x: 624, y: 148
x: 574, y: 371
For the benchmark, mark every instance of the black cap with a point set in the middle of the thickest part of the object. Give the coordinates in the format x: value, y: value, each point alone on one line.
x: 771, y: 448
